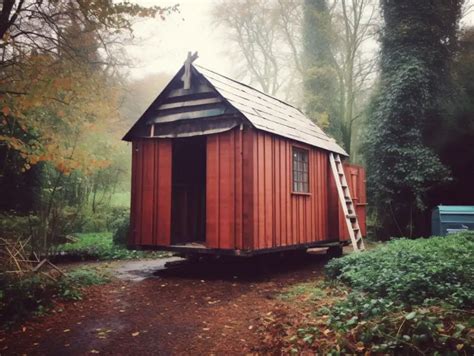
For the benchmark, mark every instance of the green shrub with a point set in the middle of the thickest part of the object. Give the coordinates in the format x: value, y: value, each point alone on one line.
x: 86, y: 276
x: 17, y: 226
x: 117, y: 217
x: 403, y: 297
x: 105, y: 218
x: 121, y: 232
x: 100, y: 246
x: 70, y: 287
x: 413, y: 271
x: 22, y: 297
x: 408, y: 296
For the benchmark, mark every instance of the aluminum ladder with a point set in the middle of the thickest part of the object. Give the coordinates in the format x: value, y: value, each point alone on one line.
x: 346, y: 202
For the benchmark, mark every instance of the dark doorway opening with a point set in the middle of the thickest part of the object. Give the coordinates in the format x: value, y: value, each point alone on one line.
x: 188, y: 214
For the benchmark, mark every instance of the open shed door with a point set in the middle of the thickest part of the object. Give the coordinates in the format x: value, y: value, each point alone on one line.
x: 188, y: 212
x: 150, y: 219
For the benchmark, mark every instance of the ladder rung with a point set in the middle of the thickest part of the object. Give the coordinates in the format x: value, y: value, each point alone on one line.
x: 345, y: 196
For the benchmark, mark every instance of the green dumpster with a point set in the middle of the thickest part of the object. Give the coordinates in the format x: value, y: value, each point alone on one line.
x: 448, y: 219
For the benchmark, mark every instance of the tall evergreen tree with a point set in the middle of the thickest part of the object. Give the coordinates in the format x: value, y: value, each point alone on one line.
x: 319, y: 76
x: 418, y: 41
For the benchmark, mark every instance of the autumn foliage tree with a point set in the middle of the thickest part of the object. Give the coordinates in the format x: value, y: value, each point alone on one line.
x: 59, y: 93
x: 57, y: 67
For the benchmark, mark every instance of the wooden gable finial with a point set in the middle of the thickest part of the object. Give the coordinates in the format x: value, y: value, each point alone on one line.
x: 187, y: 70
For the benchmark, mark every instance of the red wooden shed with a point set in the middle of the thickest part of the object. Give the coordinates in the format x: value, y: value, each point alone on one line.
x: 220, y: 167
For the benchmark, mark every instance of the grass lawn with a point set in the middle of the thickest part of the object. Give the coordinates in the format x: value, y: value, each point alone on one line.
x: 120, y: 199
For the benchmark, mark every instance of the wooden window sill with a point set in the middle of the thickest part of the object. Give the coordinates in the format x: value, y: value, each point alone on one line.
x: 301, y: 193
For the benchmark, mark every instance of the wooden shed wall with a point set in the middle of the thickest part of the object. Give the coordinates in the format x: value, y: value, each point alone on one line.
x: 249, y: 202
x: 280, y: 217
x: 355, y: 176
x: 151, y: 192
x: 224, y: 190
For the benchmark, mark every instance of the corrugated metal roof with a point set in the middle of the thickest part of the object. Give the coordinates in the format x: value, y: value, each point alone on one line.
x: 270, y: 114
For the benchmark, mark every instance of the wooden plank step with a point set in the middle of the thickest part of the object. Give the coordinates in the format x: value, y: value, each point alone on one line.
x: 351, y: 216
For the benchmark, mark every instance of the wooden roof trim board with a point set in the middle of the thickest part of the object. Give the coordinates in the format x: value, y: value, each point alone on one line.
x: 128, y: 136
x: 263, y: 111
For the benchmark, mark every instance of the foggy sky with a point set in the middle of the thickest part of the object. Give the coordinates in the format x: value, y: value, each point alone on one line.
x: 163, y: 45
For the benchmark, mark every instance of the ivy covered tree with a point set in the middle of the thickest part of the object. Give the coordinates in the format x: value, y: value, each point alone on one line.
x: 418, y: 42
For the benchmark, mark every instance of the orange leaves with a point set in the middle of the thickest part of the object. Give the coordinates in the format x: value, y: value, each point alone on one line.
x: 13, y: 142
x: 6, y: 111
x: 62, y: 168
x: 63, y: 83
x: 64, y: 116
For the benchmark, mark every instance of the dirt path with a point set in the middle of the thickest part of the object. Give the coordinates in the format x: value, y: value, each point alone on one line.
x: 207, y: 308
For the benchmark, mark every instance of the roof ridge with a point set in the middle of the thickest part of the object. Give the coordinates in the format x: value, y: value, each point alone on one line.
x: 248, y: 86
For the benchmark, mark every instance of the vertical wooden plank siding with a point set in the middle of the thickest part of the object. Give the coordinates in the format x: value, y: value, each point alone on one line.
x: 249, y: 211
x: 226, y: 196
x: 249, y: 198
x: 163, y: 182
x: 151, y: 193
x: 361, y: 205
x: 284, y: 218
x: 355, y: 176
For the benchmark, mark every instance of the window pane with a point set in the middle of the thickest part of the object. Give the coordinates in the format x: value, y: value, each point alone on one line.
x: 300, y: 170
